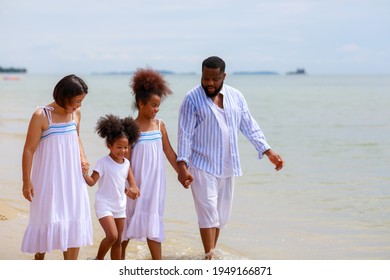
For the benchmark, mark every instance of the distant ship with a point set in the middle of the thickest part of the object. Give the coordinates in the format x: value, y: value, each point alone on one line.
x: 13, y: 70
x: 255, y: 73
x: 299, y: 71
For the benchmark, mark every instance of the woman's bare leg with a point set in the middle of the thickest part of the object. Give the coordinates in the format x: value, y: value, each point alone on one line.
x: 39, y: 256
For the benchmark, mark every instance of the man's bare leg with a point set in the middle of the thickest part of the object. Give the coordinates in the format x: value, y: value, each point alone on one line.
x: 209, y: 239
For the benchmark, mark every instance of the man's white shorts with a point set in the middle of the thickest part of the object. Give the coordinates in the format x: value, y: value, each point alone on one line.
x: 213, y: 198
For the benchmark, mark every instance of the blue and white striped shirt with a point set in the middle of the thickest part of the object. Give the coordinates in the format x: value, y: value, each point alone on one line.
x: 199, y: 134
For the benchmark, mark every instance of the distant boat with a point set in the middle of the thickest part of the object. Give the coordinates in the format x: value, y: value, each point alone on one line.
x: 255, y: 73
x: 299, y: 71
x: 12, y: 78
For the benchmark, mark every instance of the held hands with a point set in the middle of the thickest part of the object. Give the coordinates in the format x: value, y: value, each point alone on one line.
x: 133, y: 192
x: 187, y: 181
x: 184, y: 177
x: 84, y: 167
x: 275, y: 159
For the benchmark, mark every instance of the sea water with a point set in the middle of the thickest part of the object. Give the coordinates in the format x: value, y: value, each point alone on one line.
x: 330, y: 201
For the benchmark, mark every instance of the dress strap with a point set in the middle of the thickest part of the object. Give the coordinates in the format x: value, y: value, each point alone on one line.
x: 159, y: 121
x: 47, y: 111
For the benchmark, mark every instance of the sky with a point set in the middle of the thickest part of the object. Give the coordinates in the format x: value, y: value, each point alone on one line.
x: 89, y: 36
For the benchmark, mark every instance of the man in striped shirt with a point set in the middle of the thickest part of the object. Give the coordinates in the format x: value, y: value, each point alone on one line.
x: 210, y: 118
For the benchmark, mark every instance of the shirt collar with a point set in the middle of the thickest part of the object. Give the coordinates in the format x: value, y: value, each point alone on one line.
x: 223, y: 90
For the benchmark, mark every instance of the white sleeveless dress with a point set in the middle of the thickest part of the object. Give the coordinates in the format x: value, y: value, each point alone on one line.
x: 60, y: 216
x: 144, y: 215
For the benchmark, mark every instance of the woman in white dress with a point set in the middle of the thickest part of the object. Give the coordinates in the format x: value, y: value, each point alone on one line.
x: 144, y: 219
x: 53, y: 162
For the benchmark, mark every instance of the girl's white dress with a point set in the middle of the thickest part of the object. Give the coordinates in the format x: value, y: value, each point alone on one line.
x: 144, y: 215
x: 60, y: 216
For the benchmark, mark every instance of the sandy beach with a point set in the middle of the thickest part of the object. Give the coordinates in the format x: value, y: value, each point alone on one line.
x: 13, y: 221
x: 11, y: 225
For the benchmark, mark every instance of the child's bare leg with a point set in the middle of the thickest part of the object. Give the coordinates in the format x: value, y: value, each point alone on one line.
x: 109, y: 227
x: 116, y: 249
x: 39, y: 256
x: 71, y: 254
x: 155, y: 249
x: 123, y: 249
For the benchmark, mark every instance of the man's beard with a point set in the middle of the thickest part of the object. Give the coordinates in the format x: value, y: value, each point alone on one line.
x: 212, y: 94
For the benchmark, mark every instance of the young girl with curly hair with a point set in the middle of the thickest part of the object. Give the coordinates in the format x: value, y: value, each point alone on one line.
x: 113, y: 173
x: 144, y: 219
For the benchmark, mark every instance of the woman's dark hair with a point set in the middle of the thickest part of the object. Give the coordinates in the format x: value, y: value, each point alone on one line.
x: 112, y: 127
x: 214, y: 62
x: 145, y: 83
x: 67, y: 88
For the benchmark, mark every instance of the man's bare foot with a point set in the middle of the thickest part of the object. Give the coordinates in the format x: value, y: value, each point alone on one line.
x: 210, y: 255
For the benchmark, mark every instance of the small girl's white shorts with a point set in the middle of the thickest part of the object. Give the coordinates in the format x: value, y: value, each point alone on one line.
x: 103, y: 210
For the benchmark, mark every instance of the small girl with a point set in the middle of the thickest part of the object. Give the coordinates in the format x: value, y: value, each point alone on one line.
x: 144, y: 219
x: 113, y: 172
x: 53, y: 163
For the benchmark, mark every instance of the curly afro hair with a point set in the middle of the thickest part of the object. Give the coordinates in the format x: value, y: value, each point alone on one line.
x: 146, y: 82
x: 131, y: 129
x: 112, y: 127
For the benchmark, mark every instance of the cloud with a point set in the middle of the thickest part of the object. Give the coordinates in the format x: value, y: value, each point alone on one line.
x: 351, y: 47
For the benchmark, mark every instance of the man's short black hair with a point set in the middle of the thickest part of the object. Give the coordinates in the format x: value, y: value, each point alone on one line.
x: 214, y: 62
